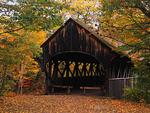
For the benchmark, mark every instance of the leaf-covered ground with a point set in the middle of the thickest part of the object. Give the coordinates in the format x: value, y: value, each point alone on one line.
x: 68, y: 104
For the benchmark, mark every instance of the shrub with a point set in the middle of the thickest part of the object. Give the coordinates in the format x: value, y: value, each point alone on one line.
x: 133, y: 94
x: 8, y: 86
x: 137, y: 95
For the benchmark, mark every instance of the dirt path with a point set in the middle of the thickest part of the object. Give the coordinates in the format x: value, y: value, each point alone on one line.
x: 68, y: 104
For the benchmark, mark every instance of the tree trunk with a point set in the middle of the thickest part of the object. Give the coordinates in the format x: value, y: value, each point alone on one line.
x: 4, y: 78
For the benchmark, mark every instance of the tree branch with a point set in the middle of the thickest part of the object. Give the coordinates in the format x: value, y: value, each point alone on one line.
x: 10, y: 31
x: 120, y: 41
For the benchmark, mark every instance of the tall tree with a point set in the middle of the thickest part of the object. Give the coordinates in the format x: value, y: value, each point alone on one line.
x: 20, y: 22
x: 86, y: 11
x: 132, y: 19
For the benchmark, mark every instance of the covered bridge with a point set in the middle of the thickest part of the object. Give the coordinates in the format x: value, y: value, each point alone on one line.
x: 76, y: 56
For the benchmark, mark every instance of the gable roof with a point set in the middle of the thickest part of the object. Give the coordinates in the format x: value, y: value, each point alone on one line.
x: 84, y: 27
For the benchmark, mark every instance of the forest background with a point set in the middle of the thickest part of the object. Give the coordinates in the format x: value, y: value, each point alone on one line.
x: 26, y: 24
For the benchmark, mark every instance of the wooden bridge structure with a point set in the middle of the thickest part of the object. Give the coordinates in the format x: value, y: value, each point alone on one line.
x: 76, y: 56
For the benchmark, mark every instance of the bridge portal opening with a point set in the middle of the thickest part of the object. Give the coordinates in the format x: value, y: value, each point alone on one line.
x: 76, y: 69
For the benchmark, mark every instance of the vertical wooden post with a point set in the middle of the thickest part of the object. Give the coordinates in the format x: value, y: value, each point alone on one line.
x: 48, y: 77
x: 84, y: 69
x: 84, y: 90
x: 67, y: 69
x: 52, y: 90
x: 45, y: 69
x: 55, y: 70
x: 106, y: 74
x: 76, y: 69
x: 46, y: 82
x: 68, y: 90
